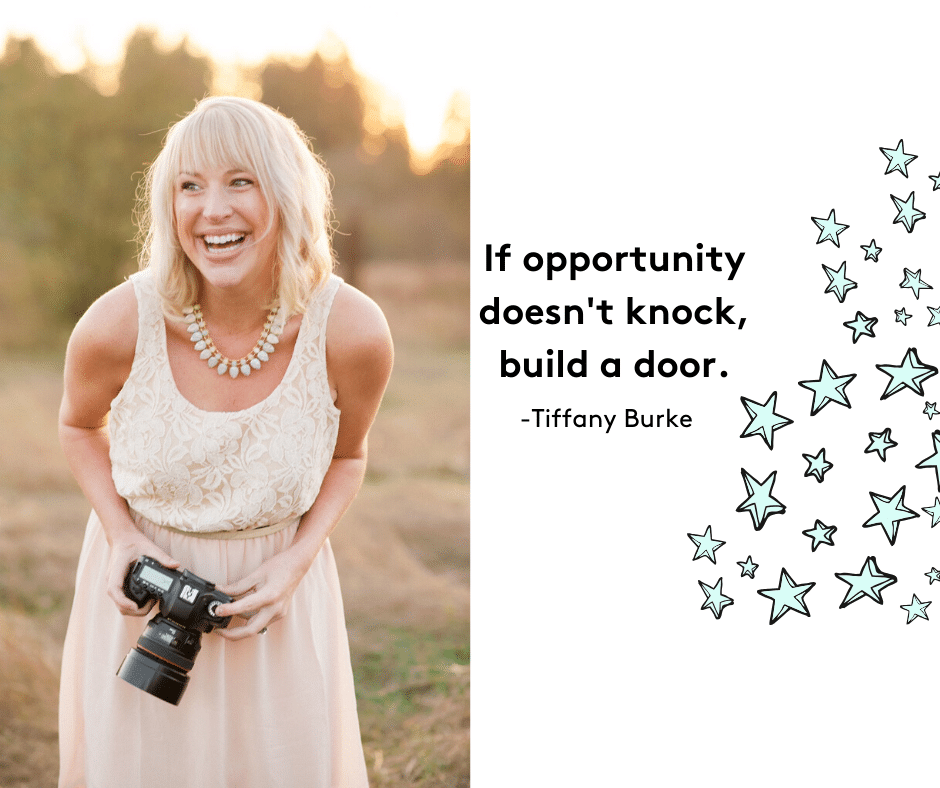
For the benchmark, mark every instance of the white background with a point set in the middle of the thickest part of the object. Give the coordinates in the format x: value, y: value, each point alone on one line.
x: 729, y: 124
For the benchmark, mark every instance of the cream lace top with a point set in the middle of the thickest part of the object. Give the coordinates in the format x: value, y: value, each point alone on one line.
x: 196, y: 470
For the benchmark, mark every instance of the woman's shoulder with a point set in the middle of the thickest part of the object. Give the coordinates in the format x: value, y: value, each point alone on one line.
x: 109, y: 325
x: 357, y: 325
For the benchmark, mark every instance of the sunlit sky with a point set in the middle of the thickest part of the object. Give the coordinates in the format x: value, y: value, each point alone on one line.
x: 416, y: 51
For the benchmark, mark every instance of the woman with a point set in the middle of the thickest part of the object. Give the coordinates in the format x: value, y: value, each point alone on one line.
x: 215, y: 414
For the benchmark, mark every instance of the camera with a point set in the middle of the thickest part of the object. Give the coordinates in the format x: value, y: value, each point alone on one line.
x: 166, y: 651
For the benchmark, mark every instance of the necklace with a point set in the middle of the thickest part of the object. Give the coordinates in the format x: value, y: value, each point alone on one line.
x: 199, y: 334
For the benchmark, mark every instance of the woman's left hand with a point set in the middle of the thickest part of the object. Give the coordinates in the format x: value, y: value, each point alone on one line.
x: 262, y: 597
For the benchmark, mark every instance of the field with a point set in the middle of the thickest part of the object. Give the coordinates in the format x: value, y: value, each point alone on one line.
x: 403, y: 549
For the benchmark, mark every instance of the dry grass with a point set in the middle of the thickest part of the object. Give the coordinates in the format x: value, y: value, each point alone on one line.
x: 403, y: 549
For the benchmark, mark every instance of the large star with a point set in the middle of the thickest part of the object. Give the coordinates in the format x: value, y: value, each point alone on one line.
x: 749, y: 567
x: 818, y: 465
x: 914, y: 282
x: 910, y: 373
x: 891, y: 511
x: 760, y: 504
x: 829, y: 229
x: 787, y: 596
x: 870, y: 582
x: 763, y: 419
x: 839, y: 283
x: 871, y: 251
x: 916, y: 609
x: 714, y: 599
x: 828, y: 387
x: 907, y: 213
x: 705, y: 545
x: 820, y: 533
x: 933, y: 461
x: 861, y: 325
x: 898, y: 159
x: 880, y: 443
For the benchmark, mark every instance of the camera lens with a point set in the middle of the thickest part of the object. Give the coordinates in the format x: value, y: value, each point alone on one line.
x: 154, y: 676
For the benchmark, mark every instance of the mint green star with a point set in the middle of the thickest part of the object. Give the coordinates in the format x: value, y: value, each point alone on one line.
x: 880, y: 443
x: 829, y: 229
x: 891, y: 512
x: 901, y: 316
x: 898, y: 159
x: 714, y: 598
x: 871, y: 251
x: 820, y: 533
x: 910, y: 373
x: 916, y: 609
x: 913, y: 281
x: 862, y: 325
x: 763, y: 419
x: 930, y: 409
x: 760, y: 504
x: 933, y: 574
x: 933, y: 461
x: 870, y: 582
x: 934, y: 316
x: 787, y: 596
x: 934, y: 512
x: 936, y: 181
x: 907, y: 213
x: 705, y: 545
x: 838, y: 282
x: 748, y: 567
x: 818, y: 465
x: 829, y: 387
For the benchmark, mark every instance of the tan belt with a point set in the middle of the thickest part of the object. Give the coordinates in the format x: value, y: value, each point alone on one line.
x: 248, y: 533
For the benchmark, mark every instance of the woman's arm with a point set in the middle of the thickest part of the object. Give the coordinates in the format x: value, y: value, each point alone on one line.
x: 359, y: 359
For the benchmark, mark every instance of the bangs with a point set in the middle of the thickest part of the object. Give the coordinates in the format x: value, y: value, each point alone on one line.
x: 216, y: 139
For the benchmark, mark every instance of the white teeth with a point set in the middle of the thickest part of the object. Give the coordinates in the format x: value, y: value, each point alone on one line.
x: 223, y: 239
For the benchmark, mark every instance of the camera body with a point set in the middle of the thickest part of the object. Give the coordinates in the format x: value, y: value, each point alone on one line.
x: 165, y: 653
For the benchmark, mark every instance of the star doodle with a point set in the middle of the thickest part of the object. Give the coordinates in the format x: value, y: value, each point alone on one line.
x: 933, y: 461
x: 934, y: 316
x: 862, y: 325
x: 818, y: 465
x: 788, y: 595
x: 898, y: 159
x: 910, y: 374
x: 933, y: 511
x: 933, y: 574
x: 764, y: 419
x: 829, y: 229
x: 907, y: 213
x: 871, y: 251
x: 916, y: 609
x: 828, y: 387
x: 748, y: 567
x: 936, y: 181
x: 714, y: 598
x: 838, y: 282
x: 930, y: 410
x: 760, y: 504
x: 870, y: 582
x: 880, y: 443
x: 914, y: 282
x: 705, y: 545
x: 901, y: 316
x: 891, y: 512
x: 820, y: 533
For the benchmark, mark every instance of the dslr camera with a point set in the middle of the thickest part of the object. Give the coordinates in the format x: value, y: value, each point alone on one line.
x: 166, y: 651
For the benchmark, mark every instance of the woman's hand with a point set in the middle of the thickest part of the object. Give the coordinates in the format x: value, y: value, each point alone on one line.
x: 123, y: 553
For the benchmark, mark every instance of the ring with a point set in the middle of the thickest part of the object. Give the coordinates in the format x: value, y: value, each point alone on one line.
x: 264, y: 629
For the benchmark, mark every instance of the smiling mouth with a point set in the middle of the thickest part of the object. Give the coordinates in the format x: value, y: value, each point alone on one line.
x: 216, y: 243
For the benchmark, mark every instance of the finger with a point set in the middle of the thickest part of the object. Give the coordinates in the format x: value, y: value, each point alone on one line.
x: 253, y: 627
x: 241, y: 587
x: 247, y: 606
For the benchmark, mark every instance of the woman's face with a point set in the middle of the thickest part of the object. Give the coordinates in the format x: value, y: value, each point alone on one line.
x: 222, y: 223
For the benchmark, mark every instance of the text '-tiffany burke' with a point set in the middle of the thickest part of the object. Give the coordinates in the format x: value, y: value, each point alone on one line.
x: 567, y: 417
x: 563, y: 267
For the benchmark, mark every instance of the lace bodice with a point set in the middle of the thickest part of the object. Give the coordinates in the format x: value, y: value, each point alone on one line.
x: 180, y: 466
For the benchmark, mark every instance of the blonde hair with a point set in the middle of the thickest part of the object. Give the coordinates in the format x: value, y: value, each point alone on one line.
x: 244, y: 134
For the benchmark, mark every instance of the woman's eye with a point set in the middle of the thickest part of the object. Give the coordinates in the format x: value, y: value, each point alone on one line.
x: 242, y: 182
x: 188, y: 186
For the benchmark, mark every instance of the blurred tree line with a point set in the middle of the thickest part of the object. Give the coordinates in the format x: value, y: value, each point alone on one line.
x: 71, y: 161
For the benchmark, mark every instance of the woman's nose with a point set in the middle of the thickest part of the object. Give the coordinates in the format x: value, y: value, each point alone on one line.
x: 217, y: 205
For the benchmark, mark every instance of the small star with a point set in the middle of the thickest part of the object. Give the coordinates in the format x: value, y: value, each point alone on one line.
x: 870, y: 582
x: 907, y: 213
x: 820, y: 533
x: 880, y: 443
x: 933, y: 574
x: 913, y: 281
x: 931, y: 410
x: 818, y: 465
x: 829, y: 229
x: 891, y: 512
x: 829, y: 387
x: 787, y: 596
x: 936, y: 181
x: 901, y: 316
x: 862, y: 325
x: 838, y: 282
x: 933, y: 511
x: 714, y: 599
x: 748, y: 567
x: 934, y: 316
x: 898, y: 159
x: 871, y: 251
x: 763, y: 419
x: 910, y: 373
x: 933, y: 461
x: 705, y: 545
x: 760, y: 504
x: 916, y: 609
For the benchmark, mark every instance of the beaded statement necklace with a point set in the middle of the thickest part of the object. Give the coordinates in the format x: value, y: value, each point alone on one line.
x: 203, y: 344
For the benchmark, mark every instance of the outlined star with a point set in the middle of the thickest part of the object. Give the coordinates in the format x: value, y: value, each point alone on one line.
x: 871, y: 251
x: 828, y: 387
x: 934, y: 316
x: 763, y: 419
x: 788, y: 595
x: 705, y: 545
x: 839, y: 283
x: 936, y: 181
x: 933, y: 461
x: 818, y: 465
x: 910, y: 374
x: 916, y: 609
x: 901, y: 316
x: 820, y: 533
x: 748, y: 567
x: 880, y: 443
x: 891, y: 512
x: 829, y: 229
x: 933, y: 511
x: 870, y: 582
x: 760, y: 504
x: 714, y: 598
x: 933, y: 574
x: 930, y: 410
x: 862, y: 325
x: 907, y: 213
x: 913, y: 281
x: 898, y: 159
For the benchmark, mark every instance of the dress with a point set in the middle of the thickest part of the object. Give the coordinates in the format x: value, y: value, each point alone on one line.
x: 273, y: 711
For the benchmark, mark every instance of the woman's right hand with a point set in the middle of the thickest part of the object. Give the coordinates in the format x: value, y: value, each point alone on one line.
x: 123, y: 555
